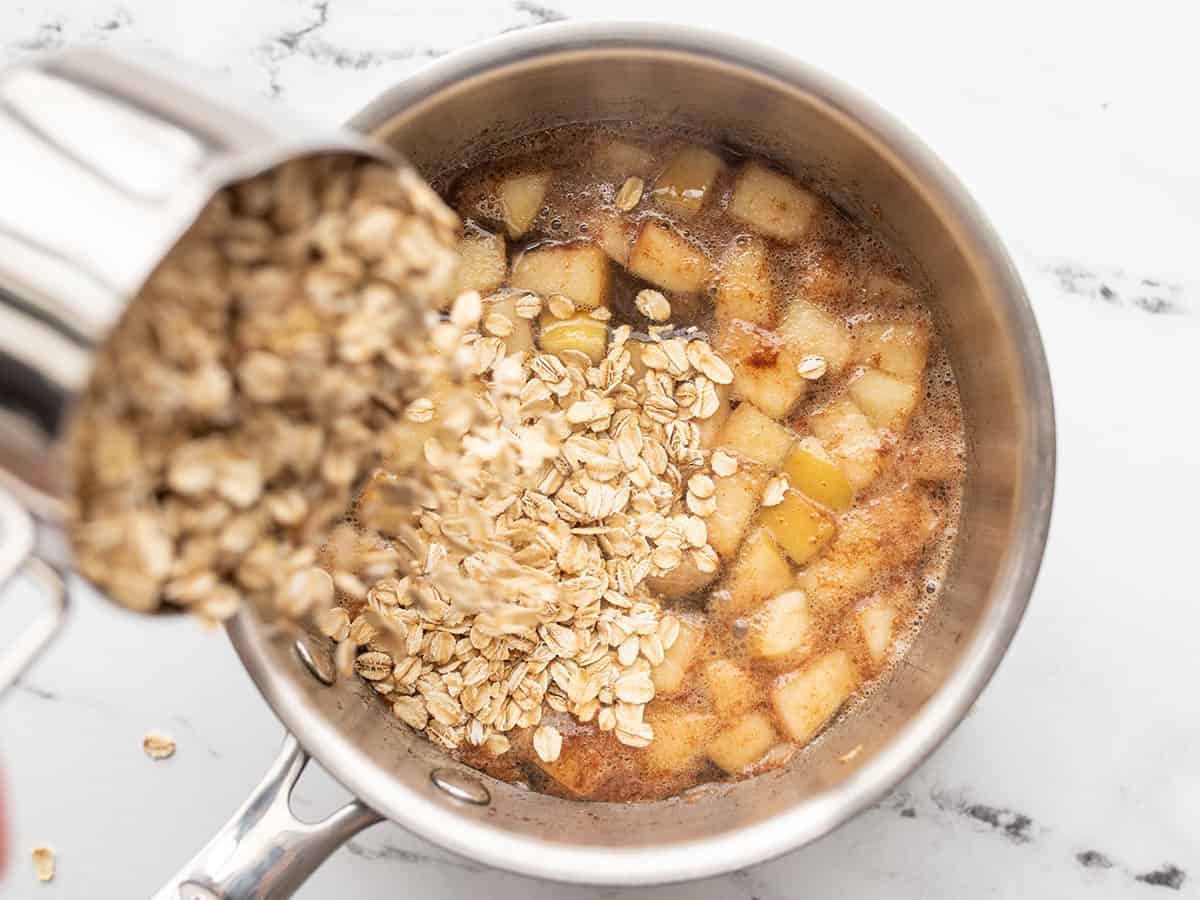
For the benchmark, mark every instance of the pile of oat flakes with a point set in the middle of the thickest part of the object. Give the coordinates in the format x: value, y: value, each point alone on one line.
x: 578, y: 485
x: 508, y: 512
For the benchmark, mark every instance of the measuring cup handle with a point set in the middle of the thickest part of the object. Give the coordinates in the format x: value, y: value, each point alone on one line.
x: 17, y: 557
x: 264, y: 852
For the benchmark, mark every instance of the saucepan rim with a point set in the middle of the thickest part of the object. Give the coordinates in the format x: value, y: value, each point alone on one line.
x: 754, y: 843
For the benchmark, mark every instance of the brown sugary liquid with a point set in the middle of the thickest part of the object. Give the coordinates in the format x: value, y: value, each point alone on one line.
x: 845, y: 269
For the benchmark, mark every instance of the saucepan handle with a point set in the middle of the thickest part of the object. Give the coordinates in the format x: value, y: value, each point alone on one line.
x: 264, y: 852
x: 17, y: 540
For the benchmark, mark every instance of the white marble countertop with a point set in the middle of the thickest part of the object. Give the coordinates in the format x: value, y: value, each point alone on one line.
x: 1078, y: 773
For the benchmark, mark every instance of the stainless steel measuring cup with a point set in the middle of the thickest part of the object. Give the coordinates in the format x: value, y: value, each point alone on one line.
x: 106, y: 163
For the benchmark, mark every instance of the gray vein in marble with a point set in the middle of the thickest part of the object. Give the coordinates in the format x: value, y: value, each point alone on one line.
x: 1093, y: 859
x: 186, y: 724
x: 1015, y: 826
x: 47, y: 695
x: 1018, y: 828
x: 1168, y: 876
x: 34, y: 691
x: 49, y: 36
x: 306, y: 42
x: 541, y: 15
x: 120, y: 19
x: 1119, y: 288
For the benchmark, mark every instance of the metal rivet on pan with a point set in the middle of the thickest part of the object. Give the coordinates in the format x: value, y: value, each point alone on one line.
x: 461, y: 786
x: 320, y: 667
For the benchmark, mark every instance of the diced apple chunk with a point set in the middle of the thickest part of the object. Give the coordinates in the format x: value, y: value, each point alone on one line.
x: 613, y: 234
x: 899, y: 349
x: 743, y: 743
x: 873, y: 539
x: 828, y: 278
x: 579, y: 271
x: 687, y: 180
x: 521, y: 197
x: 784, y: 628
x: 580, y: 767
x: 710, y: 428
x: 810, y: 471
x: 755, y: 437
x: 732, y: 689
x: 682, y: 581
x: 744, y: 288
x: 617, y: 159
x: 850, y: 439
x: 680, y: 737
x: 798, y: 526
x: 807, y: 699
x: 760, y: 572
x: 772, y: 204
x: 505, y: 304
x: 808, y: 329
x: 876, y: 623
x: 762, y: 372
x: 887, y: 290
x: 580, y: 332
x: 737, y: 497
x: 668, y: 676
x: 933, y: 458
x: 664, y: 257
x: 887, y: 401
x: 482, y: 264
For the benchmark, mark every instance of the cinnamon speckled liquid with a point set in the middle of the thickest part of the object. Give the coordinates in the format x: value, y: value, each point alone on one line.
x: 873, y: 583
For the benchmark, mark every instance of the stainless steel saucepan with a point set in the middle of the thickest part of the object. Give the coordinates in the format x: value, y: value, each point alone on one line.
x: 759, y: 100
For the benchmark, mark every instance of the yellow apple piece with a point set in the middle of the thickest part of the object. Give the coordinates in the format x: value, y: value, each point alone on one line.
x: 682, y: 581
x: 887, y: 401
x: 888, y: 290
x: 809, y: 330
x: 743, y: 743
x: 762, y: 372
x: 850, y: 438
x: 897, y: 348
x: 579, y: 271
x: 666, y: 258
x: 876, y: 622
x: 521, y: 197
x: 680, y: 736
x: 744, y: 287
x: 617, y: 160
x: 772, y: 204
x: 668, y: 676
x: 737, y: 497
x: 580, y: 332
x: 784, y: 628
x: 482, y: 264
x: 873, y: 539
x: 810, y: 470
x: 580, y: 766
x: 760, y: 572
x: 933, y: 458
x: 798, y: 526
x: 756, y: 437
x: 613, y: 234
x: 687, y: 180
x: 805, y: 700
x: 731, y: 688
x: 828, y: 278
